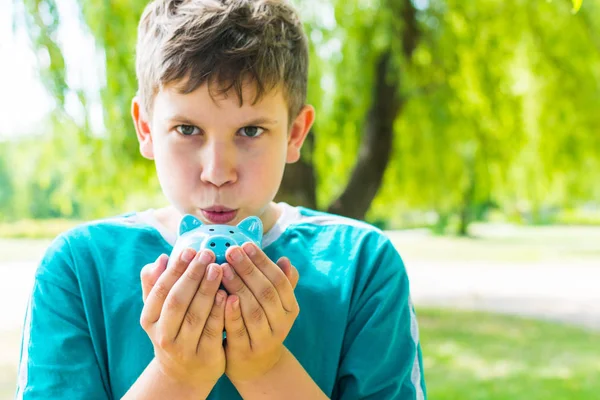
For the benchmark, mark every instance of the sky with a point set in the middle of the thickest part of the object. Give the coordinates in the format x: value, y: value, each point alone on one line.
x: 23, y: 100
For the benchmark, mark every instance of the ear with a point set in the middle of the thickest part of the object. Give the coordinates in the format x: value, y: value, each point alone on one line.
x: 142, y: 128
x: 253, y: 227
x: 298, y: 131
x: 188, y: 223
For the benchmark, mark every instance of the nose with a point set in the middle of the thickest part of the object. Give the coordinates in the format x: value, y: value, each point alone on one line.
x: 218, y: 163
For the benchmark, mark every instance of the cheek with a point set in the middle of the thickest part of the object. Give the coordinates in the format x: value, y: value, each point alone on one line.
x: 259, y: 173
x: 266, y: 161
x: 173, y: 164
x: 269, y: 171
x: 170, y: 151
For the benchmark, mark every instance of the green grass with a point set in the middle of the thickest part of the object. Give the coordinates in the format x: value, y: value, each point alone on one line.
x: 504, y: 244
x: 492, y: 243
x: 35, y: 229
x: 477, y: 356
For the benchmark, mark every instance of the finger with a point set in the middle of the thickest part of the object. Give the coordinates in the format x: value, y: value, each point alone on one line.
x: 212, y: 334
x: 194, y: 319
x: 150, y: 274
x: 254, y: 315
x: 258, y: 283
x: 289, y: 270
x: 238, y: 337
x: 176, y: 312
x: 274, y: 273
x: 159, y: 292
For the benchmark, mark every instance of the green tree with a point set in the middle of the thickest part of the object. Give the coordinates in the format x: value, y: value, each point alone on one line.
x: 440, y: 105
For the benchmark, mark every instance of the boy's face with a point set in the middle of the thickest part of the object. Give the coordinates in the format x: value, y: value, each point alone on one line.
x: 217, y: 160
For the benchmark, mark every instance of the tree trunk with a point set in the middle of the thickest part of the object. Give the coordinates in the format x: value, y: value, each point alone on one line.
x: 466, y: 210
x: 375, y: 147
x: 377, y: 141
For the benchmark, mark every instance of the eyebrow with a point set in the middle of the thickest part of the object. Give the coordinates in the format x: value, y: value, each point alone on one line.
x: 256, y: 121
x: 261, y: 121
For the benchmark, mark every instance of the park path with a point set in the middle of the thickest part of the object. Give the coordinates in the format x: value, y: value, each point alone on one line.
x: 568, y: 293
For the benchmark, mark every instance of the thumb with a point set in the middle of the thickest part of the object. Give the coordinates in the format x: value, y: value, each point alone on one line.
x: 289, y: 270
x: 150, y: 274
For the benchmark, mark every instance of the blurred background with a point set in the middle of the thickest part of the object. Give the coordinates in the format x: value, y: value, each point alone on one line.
x: 467, y: 130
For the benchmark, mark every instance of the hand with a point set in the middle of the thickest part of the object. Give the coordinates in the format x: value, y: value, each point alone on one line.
x: 259, y: 313
x: 183, y: 315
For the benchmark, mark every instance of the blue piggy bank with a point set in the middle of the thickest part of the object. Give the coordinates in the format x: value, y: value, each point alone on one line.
x: 218, y: 238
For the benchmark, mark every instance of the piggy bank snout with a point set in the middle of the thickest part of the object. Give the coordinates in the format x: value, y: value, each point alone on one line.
x: 219, y: 245
x: 219, y: 241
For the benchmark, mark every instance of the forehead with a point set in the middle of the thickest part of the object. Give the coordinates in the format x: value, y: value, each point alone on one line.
x: 211, y: 100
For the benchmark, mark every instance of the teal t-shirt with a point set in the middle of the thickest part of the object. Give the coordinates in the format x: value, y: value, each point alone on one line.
x: 356, y: 334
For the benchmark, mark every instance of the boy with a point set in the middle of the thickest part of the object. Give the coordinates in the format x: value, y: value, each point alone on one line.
x: 221, y: 110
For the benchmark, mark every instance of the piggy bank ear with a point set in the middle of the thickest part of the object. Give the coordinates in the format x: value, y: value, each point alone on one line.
x: 253, y: 227
x: 188, y: 222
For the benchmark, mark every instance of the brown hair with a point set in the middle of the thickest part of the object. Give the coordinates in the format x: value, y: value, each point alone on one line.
x: 228, y: 42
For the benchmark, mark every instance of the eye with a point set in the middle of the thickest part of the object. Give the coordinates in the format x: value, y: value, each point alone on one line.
x: 187, y: 130
x: 251, y: 131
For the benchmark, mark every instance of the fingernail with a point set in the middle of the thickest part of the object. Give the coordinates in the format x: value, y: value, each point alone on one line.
x: 228, y: 272
x: 219, y: 299
x: 288, y: 264
x: 205, y: 257
x: 236, y: 254
x: 236, y: 304
x: 161, y: 262
x: 187, y: 255
x: 213, y: 272
x: 250, y: 249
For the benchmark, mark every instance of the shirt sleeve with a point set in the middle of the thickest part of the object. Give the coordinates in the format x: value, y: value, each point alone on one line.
x: 381, y: 353
x: 58, y: 359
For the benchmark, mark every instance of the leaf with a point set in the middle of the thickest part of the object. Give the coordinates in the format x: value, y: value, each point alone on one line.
x: 576, y: 5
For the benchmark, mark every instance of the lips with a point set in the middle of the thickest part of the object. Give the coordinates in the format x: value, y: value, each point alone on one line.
x: 219, y: 214
x: 218, y: 209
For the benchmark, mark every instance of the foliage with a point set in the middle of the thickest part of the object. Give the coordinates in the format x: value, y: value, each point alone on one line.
x: 500, y: 113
